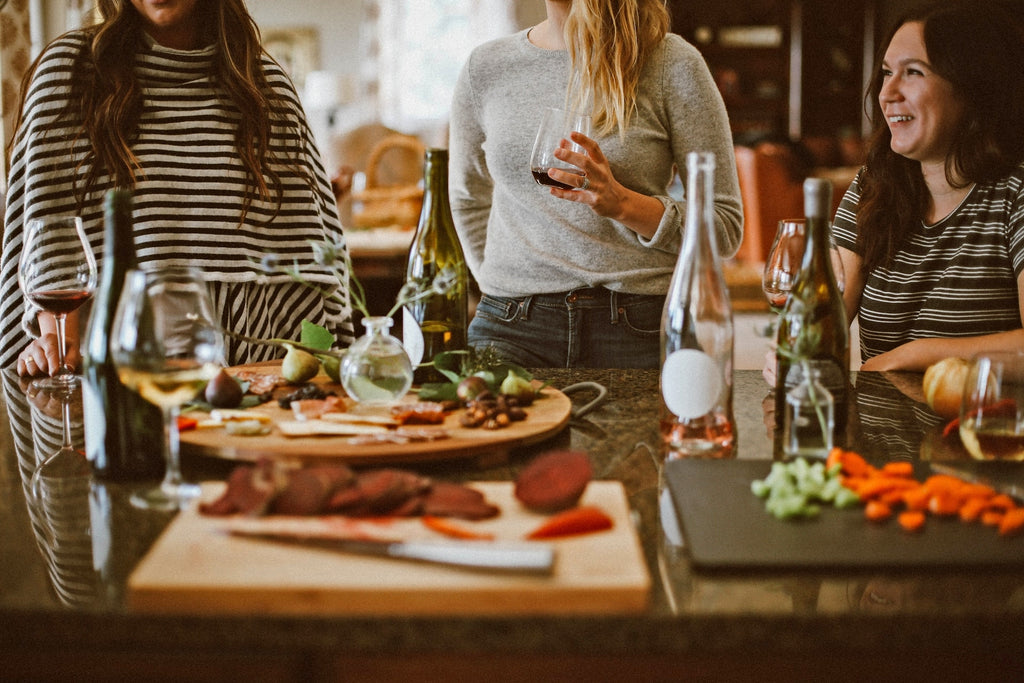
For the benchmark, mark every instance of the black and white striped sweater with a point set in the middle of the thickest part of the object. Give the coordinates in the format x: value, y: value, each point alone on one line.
x: 188, y: 199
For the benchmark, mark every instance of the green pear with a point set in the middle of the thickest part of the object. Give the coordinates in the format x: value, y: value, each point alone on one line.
x: 299, y: 366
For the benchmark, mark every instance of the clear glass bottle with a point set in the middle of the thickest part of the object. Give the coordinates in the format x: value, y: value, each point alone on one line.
x: 809, y: 419
x: 697, y: 333
x: 438, y: 322
x: 376, y: 368
x: 813, y: 333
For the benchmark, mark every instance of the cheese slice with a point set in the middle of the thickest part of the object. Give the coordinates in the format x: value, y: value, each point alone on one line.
x: 234, y: 414
x: 324, y: 428
x: 356, y: 418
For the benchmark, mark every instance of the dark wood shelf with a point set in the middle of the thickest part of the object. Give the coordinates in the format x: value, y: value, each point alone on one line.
x: 810, y: 82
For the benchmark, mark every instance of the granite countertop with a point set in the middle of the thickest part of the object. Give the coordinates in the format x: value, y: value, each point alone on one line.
x: 61, y: 599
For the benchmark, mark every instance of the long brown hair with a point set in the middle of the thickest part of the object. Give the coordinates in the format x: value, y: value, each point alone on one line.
x: 609, y: 42
x: 108, y: 98
x: 978, y: 46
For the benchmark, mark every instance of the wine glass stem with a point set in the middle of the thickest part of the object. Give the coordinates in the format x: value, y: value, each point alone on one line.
x: 61, y: 319
x: 65, y: 414
x: 172, y: 453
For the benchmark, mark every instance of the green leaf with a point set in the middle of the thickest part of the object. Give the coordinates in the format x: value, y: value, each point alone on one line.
x: 439, y: 391
x: 315, y: 336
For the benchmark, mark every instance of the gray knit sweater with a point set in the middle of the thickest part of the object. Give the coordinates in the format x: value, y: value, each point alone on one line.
x: 520, y: 240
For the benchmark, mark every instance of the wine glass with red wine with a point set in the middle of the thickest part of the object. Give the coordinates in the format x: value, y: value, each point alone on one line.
x: 57, y: 273
x: 555, y: 131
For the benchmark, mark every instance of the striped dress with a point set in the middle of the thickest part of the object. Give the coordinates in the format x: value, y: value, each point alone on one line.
x: 188, y: 199
x: 957, y: 278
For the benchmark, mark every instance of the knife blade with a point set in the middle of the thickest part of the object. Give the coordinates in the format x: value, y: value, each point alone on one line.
x: 519, y: 558
x: 1015, y: 491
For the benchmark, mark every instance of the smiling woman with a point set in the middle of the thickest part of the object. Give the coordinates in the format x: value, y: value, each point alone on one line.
x: 932, y: 229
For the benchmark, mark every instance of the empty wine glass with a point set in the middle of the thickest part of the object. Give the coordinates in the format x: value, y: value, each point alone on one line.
x: 783, y: 263
x: 837, y: 265
x: 166, y: 344
x: 57, y: 273
x: 555, y: 130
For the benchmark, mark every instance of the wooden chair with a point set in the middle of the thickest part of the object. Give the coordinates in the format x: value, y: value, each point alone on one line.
x: 771, y: 191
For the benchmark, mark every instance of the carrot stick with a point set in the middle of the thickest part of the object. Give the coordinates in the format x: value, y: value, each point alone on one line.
x: 911, y: 520
x: 877, y: 511
x: 454, y: 530
x: 1012, y: 522
x: 578, y: 520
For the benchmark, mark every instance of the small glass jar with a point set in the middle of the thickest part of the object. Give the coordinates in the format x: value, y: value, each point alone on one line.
x: 810, y: 417
x: 376, y: 368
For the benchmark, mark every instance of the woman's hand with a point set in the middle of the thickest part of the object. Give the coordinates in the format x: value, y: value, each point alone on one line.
x: 40, y: 357
x: 598, y: 189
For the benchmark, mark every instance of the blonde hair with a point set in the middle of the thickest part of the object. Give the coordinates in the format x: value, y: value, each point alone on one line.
x: 609, y: 42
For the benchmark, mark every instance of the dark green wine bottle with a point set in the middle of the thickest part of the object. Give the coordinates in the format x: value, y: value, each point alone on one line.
x: 123, y: 431
x: 438, y: 321
x: 813, y: 331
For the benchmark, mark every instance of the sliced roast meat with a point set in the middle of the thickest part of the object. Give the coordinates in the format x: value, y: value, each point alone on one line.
x: 447, y: 499
x: 309, y: 490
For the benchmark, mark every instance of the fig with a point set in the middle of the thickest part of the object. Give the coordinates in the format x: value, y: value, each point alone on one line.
x: 331, y: 366
x: 471, y: 387
x: 299, y: 366
x: 519, y: 388
x: 223, y: 391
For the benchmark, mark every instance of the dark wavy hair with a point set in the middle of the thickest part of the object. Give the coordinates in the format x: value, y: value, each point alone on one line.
x: 978, y: 46
x: 108, y: 99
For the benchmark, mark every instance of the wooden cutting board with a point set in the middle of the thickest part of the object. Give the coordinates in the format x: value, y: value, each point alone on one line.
x: 725, y: 526
x: 195, y: 567
x: 547, y: 416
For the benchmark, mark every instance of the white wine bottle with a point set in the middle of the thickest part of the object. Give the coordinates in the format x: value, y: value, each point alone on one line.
x: 437, y: 322
x: 123, y: 432
x: 813, y: 334
x: 697, y: 333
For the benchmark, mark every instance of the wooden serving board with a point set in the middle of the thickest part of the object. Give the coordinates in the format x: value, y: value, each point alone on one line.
x: 547, y: 416
x: 196, y: 567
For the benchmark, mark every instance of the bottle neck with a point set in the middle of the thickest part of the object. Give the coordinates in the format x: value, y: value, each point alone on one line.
x: 699, y: 233
x: 119, y: 243
x: 435, y: 176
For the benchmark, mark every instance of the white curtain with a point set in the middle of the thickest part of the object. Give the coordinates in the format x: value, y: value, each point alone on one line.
x: 15, y: 56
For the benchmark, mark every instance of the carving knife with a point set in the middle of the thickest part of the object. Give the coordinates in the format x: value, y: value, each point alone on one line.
x: 521, y: 558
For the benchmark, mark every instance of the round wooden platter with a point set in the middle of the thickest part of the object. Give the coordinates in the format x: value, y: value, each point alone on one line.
x: 547, y: 416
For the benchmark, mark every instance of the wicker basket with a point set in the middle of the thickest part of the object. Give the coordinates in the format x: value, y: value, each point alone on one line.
x: 388, y: 205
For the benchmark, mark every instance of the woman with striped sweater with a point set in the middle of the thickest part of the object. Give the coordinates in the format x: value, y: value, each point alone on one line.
x: 176, y: 100
x: 932, y: 229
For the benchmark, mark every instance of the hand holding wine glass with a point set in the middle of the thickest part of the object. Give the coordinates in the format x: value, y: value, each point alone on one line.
x: 57, y: 272
x: 556, y: 129
x: 166, y: 343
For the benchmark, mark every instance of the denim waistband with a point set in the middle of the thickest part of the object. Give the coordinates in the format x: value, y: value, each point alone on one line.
x: 587, y: 297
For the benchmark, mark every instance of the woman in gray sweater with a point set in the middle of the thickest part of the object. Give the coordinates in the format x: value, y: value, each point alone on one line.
x: 577, y: 278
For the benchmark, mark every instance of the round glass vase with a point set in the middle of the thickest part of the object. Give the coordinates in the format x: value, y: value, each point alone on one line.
x: 376, y: 368
x: 810, y: 417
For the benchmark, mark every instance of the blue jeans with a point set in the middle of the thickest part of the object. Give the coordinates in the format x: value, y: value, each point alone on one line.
x: 584, y: 328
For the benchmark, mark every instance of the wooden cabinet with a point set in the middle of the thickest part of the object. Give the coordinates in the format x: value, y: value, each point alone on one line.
x: 792, y: 68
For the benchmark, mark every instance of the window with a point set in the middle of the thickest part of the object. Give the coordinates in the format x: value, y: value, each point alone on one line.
x: 421, y: 47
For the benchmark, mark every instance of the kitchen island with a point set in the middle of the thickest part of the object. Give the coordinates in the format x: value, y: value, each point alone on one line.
x: 68, y: 553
